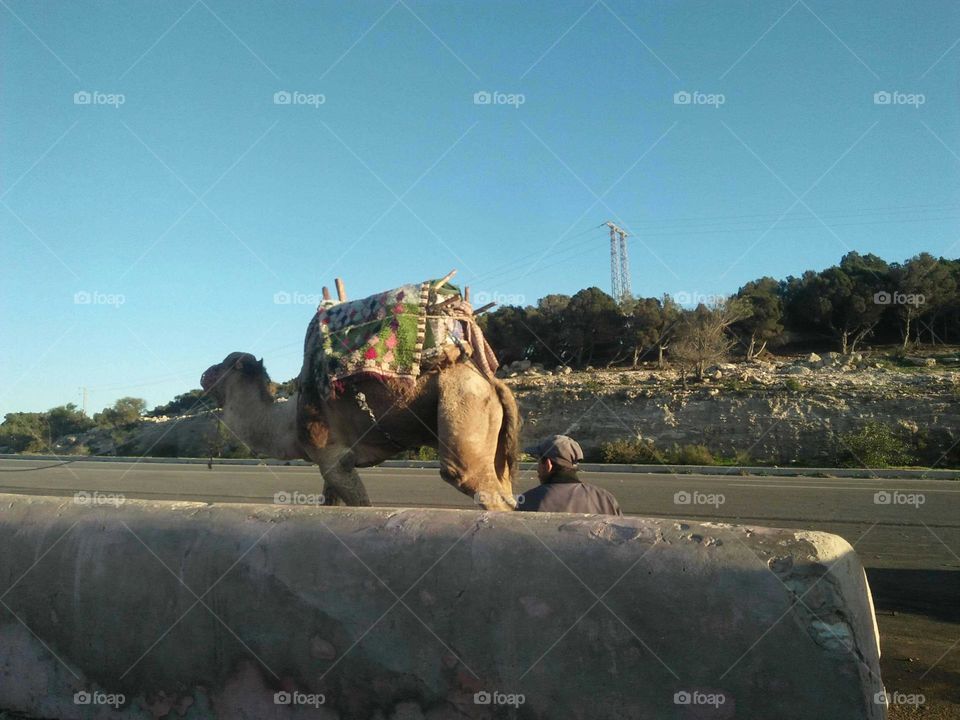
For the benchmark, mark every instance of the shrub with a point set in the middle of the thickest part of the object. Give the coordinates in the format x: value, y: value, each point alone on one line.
x: 427, y: 453
x: 692, y: 455
x: 874, y: 445
x: 630, y: 451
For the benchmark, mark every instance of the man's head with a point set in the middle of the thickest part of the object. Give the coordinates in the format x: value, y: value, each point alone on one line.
x: 557, y: 452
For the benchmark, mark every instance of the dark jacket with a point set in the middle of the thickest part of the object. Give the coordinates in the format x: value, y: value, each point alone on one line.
x: 563, y: 492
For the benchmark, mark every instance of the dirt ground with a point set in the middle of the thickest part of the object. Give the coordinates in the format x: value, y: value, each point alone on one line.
x: 920, y: 656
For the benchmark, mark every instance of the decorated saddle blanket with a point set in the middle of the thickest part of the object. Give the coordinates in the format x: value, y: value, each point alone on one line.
x: 388, y: 335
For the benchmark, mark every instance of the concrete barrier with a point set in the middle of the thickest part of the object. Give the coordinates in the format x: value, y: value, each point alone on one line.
x: 156, y: 609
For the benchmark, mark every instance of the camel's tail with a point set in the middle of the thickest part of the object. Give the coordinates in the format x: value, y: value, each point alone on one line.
x: 508, y: 444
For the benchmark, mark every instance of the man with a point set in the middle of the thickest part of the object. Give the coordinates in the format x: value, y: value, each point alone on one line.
x: 560, y: 488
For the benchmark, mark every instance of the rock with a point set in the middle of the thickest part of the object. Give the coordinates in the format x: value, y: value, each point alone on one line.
x: 920, y: 361
x: 564, y: 369
x: 524, y: 365
x: 814, y: 358
x: 795, y: 370
x: 717, y: 375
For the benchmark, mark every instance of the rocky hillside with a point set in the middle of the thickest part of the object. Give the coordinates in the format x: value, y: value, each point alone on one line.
x: 795, y: 411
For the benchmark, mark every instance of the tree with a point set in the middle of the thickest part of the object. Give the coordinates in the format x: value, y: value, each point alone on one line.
x: 923, y: 286
x: 125, y: 411
x: 839, y: 302
x: 188, y: 402
x: 703, y: 338
x: 37, y: 432
x: 591, y: 319
x: 649, y: 323
x: 23, y: 432
x: 66, y: 420
x: 508, y: 332
x: 766, y: 312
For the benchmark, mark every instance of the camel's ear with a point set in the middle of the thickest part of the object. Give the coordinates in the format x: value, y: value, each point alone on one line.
x: 261, y: 363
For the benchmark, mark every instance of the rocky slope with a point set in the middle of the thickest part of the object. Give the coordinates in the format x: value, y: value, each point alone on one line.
x: 784, y: 412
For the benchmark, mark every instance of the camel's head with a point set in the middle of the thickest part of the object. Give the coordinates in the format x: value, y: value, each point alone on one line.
x: 238, y: 371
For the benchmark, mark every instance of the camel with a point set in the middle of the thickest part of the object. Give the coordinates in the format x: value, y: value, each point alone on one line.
x: 469, y: 417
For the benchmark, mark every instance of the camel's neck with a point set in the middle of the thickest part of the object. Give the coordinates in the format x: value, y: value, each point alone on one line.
x: 268, y: 427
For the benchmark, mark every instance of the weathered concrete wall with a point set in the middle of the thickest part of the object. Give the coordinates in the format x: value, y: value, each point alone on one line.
x: 191, y: 610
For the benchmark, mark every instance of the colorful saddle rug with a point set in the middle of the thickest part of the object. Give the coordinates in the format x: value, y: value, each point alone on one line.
x: 388, y: 335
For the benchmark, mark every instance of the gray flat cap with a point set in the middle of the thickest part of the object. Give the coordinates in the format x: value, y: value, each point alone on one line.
x: 557, y: 447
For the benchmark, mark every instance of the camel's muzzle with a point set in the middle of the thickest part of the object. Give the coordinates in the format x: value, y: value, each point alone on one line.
x: 210, y: 377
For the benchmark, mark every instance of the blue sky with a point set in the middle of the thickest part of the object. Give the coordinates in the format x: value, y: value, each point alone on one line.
x: 147, y: 233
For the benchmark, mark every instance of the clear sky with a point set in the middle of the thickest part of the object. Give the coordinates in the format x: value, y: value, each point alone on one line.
x: 148, y: 223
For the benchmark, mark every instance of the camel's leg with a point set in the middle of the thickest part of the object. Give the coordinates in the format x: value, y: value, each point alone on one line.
x: 469, y: 418
x: 341, y: 479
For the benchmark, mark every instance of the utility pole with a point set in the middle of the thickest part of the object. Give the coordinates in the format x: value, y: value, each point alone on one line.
x: 85, y: 397
x: 619, y: 263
